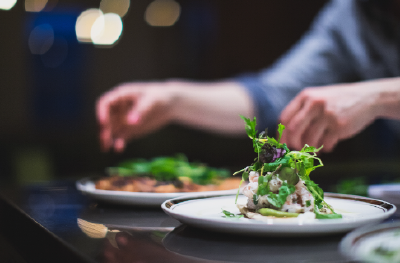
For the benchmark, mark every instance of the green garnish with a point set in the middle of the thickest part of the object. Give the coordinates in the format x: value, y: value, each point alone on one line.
x: 275, y: 159
x: 276, y: 213
x: 231, y: 215
x: 279, y: 199
x: 170, y: 169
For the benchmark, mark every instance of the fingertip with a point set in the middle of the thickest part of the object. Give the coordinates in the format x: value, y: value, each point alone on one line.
x: 105, y: 140
x: 133, y: 118
x: 119, y: 145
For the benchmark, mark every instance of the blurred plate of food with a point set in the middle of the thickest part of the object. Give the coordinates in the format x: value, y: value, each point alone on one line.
x: 150, y: 182
x: 378, y: 243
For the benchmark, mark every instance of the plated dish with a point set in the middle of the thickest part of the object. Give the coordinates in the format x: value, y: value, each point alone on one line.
x: 279, y: 183
x: 207, y: 213
x: 380, y: 243
x: 280, y: 198
x: 87, y: 186
x: 150, y: 182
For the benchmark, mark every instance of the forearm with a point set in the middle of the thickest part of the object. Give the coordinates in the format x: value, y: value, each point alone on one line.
x: 213, y: 106
x: 388, y: 99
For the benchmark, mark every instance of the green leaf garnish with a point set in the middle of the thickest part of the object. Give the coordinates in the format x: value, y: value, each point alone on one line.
x: 231, y: 215
x: 170, y: 169
x: 294, y: 165
x: 279, y: 199
x: 280, y: 130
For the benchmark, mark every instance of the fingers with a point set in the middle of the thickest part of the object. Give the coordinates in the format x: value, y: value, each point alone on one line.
x: 111, y: 111
x: 287, y: 114
x: 119, y: 145
x: 299, y: 125
x: 105, y: 139
x: 314, y: 135
x: 140, y: 109
x: 330, y: 140
x: 292, y: 108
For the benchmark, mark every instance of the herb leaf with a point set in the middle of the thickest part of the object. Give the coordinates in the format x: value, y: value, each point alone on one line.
x: 250, y: 126
x: 279, y: 199
x: 231, y: 215
x: 169, y: 169
x: 281, y: 127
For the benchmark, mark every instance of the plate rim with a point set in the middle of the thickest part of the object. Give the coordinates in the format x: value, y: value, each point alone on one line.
x: 346, y: 245
x: 82, y: 185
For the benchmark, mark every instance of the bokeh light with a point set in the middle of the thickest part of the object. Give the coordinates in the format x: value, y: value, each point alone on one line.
x: 41, y: 39
x: 162, y: 13
x: 35, y: 5
x: 85, y: 22
x: 7, y: 4
x: 119, y: 7
x: 106, y: 29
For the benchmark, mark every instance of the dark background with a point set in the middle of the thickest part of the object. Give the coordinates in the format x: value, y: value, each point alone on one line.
x: 47, y: 118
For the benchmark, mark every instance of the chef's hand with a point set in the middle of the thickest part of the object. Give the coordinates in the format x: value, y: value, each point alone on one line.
x: 325, y: 115
x: 132, y: 110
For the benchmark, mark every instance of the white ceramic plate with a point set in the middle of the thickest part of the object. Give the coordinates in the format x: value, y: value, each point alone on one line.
x: 361, y: 244
x: 206, y: 213
x: 87, y: 186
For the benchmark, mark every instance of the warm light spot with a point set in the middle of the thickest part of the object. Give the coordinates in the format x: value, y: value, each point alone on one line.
x: 84, y: 24
x: 41, y: 39
x: 106, y: 29
x: 162, y: 13
x: 35, y: 5
x: 119, y: 7
x: 7, y: 4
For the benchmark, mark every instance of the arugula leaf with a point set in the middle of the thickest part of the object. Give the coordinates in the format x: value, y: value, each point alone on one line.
x: 308, y: 148
x: 231, y: 215
x: 257, y: 166
x: 279, y: 199
x: 250, y: 126
x: 284, y: 161
x: 263, y: 185
x: 273, y: 142
x: 281, y: 127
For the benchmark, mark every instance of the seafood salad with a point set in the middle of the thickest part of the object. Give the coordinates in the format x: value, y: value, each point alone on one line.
x: 279, y: 181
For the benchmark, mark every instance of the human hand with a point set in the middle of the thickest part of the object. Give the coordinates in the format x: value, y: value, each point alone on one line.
x: 132, y: 110
x: 325, y: 115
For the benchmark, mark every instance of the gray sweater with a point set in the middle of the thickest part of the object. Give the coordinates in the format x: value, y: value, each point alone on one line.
x: 350, y: 40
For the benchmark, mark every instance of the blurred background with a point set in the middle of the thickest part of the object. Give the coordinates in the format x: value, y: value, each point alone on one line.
x: 58, y: 56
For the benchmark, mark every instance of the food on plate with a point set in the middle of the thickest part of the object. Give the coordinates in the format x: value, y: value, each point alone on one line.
x: 279, y: 180
x: 166, y: 175
x: 381, y: 247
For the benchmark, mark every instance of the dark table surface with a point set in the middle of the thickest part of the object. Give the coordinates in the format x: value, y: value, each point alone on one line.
x: 54, y: 222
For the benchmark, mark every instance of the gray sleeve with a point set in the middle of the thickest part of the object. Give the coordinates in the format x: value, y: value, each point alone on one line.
x: 319, y: 58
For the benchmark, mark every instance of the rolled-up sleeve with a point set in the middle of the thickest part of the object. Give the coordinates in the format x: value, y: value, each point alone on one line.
x: 321, y: 57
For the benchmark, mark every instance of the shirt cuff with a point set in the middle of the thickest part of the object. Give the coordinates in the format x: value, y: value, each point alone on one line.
x: 266, y: 115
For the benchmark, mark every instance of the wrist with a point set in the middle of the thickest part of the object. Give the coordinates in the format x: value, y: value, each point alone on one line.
x: 388, y: 100
x: 177, y: 91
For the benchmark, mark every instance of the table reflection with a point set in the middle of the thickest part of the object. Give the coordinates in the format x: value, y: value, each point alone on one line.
x: 201, y: 244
